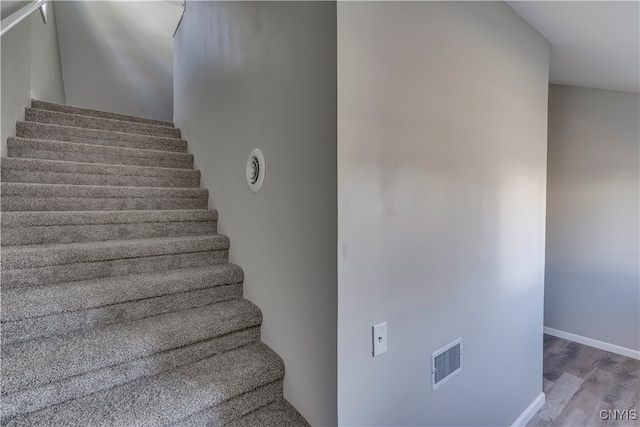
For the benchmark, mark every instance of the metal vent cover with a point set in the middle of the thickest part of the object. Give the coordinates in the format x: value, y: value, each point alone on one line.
x: 256, y: 169
x: 446, y: 363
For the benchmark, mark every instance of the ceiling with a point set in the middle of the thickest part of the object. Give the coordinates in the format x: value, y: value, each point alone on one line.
x: 593, y: 43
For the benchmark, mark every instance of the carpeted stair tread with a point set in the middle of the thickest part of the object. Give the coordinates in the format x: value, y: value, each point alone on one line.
x: 61, y: 197
x: 71, y: 262
x: 78, y: 321
x: 233, y: 409
x: 41, y: 301
x: 277, y: 414
x: 33, y: 219
x: 35, y: 312
x: 70, y: 109
x: 33, y: 256
x: 41, y: 235
x: 78, y: 386
x: 75, y: 321
x: 91, y: 153
x: 98, y: 191
x: 35, y: 363
x: 48, y: 227
x: 49, y: 131
x: 30, y: 203
x: 66, y: 119
x: 171, y: 396
x: 19, y: 278
x: 40, y: 171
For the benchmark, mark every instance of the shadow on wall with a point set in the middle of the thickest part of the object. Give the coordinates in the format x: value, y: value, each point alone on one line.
x: 118, y: 56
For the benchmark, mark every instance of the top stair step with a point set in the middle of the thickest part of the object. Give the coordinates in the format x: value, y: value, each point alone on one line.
x: 88, y: 122
x: 70, y: 109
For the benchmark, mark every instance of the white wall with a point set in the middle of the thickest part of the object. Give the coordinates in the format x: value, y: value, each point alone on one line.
x: 442, y: 123
x: 263, y: 74
x: 30, y: 62
x: 592, y: 286
x: 118, y: 56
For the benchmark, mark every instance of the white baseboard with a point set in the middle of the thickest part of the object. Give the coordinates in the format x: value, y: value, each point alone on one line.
x: 531, y: 410
x: 634, y: 354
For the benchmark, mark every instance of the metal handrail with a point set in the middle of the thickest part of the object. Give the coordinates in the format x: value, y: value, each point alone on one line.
x: 184, y: 9
x: 15, y: 18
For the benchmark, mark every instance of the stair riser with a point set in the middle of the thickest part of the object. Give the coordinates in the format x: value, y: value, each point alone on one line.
x: 33, y: 130
x: 47, y: 326
x: 13, y: 204
x: 40, y: 301
x: 36, y: 219
x: 92, y: 233
x: 234, y: 408
x: 72, y: 152
x: 36, y: 363
x: 64, y: 119
x: 17, y: 189
x: 65, y: 167
x: 99, y: 158
x: 45, y: 256
x: 69, y: 109
x: 90, y: 270
x: 38, y: 177
x: 79, y: 386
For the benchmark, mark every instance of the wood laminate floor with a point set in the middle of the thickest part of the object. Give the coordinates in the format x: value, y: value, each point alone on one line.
x: 581, y: 381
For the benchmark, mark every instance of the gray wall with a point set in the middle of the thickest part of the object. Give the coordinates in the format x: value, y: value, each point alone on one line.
x: 118, y: 56
x: 442, y: 125
x: 7, y: 7
x: 263, y: 74
x: 592, y: 285
x: 46, y: 71
x: 15, y: 79
x: 30, y: 67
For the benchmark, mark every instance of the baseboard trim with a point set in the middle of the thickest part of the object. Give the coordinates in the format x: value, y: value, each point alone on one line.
x: 531, y: 410
x: 634, y: 354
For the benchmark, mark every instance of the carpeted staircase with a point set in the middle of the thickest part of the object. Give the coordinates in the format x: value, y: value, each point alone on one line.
x: 119, y: 304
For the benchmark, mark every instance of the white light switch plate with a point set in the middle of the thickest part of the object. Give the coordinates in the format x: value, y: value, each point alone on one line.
x: 379, y: 339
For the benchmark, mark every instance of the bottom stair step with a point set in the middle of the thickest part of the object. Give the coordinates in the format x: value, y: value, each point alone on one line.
x: 235, y: 408
x: 280, y: 413
x: 220, y: 385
